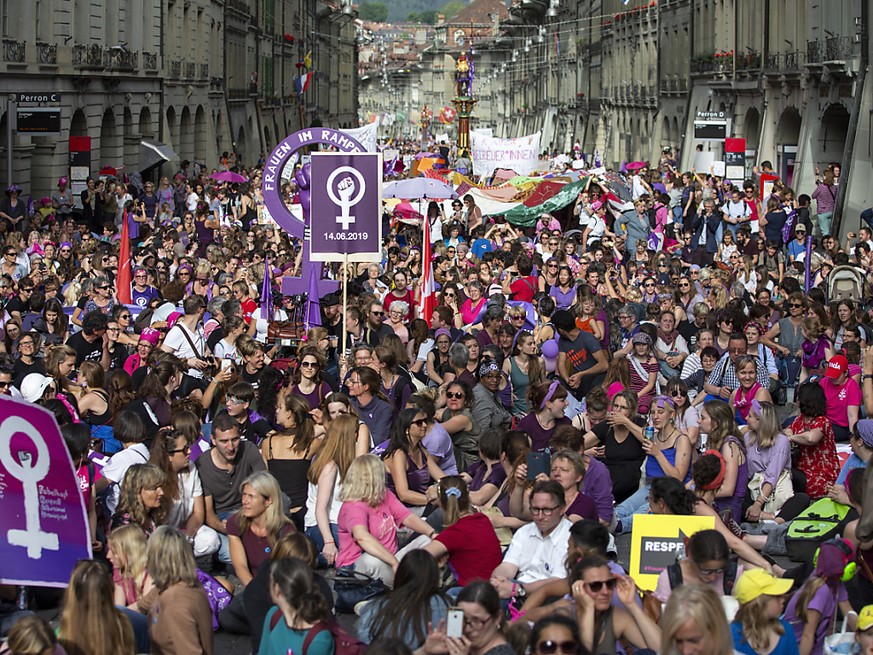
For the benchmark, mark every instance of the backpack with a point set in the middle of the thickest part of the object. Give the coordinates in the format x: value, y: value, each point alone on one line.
x: 816, y: 524
x: 788, y: 226
x: 343, y: 642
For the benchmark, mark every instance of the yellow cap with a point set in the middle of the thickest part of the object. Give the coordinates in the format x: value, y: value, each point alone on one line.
x: 758, y: 582
x: 865, y: 618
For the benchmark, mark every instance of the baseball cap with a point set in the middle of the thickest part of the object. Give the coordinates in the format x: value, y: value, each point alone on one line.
x: 330, y: 300
x: 33, y: 386
x: 837, y: 365
x: 758, y: 582
x: 865, y: 431
x: 865, y: 618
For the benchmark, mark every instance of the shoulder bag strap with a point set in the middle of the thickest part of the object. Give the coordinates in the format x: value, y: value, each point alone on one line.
x: 190, y: 341
x: 312, y: 634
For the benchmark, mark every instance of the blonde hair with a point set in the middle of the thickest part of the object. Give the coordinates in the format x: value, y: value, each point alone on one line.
x: 275, y: 520
x: 365, y: 481
x: 31, y: 636
x: 698, y: 604
x: 90, y: 622
x: 756, y: 626
x: 138, y: 478
x: 171, y: 559
x: 131, y: 543
x: 768, y: 426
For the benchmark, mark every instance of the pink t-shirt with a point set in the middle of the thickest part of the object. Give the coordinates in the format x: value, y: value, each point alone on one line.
x: 86, y: 481
x: 381, y: 522
x: 839, y: 398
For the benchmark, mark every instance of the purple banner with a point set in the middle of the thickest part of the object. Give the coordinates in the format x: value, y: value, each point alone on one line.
x: 346, y: 194
x: 45, y: 525
x: 285, y: 154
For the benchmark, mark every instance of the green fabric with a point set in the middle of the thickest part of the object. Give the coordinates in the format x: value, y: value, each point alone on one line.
x: 524, y: 216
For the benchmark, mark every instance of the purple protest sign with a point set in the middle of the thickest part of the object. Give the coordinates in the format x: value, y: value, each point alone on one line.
x: 346, y: 194
x: 45, y: 524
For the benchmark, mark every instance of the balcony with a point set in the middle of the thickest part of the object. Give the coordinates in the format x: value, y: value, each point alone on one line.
x: 838, y: 48
x: 784, y: 63
x: 175, y: 68
x: 88, y: 56
x: 751, y: 61
x: 13, y: 51
x: 237, y: 94
x: 46, y: 53
x: 118, y: 58
x: 149, y: 61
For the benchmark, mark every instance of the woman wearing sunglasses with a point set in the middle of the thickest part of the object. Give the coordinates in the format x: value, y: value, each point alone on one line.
x: 410, y: 466
x: 602, y: 625
x: 556, y: 633
x: 707, y: 562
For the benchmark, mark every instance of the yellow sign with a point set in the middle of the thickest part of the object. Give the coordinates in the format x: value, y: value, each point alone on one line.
x: 655, y: 540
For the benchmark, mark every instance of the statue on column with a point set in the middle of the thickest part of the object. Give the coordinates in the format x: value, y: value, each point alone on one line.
x: 464, y: 77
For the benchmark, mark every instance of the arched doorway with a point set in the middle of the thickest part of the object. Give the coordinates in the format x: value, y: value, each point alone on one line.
x: 201, y: 134
x: 170, y: 129
x: 146, y: 129
x: 787, y: 136
x: 832, y: 135
x: 131, y: 142
x: 79, y: 124
x: 186, y: 135
x: 240, y: 145
x: 752, y: 128
x: 111, y: 151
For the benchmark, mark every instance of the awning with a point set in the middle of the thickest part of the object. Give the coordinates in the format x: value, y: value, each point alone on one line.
x: 154, y: 153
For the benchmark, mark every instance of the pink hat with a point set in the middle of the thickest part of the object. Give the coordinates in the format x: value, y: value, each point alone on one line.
x: 172, y: 318
x: 151, y: 335
x: 62, y: 181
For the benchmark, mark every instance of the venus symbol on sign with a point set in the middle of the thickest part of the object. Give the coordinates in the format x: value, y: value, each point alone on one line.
x: 32, y: 537
x: 346, y: 187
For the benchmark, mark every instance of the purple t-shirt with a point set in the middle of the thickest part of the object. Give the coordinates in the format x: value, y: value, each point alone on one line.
x: 824, y: 601
x: 143, y: 298
x: 582, y: 506
x: 539, y: 436
x: 478, y: 472
x: 597, y: 484
x: 439, y: 444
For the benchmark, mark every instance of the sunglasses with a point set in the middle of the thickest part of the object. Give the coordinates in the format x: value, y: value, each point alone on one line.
x: 678, y: 393
x: 420, y: 422
x: 550, y: 647
x: 378, y: 313
x: 599, y: 584
x: 796, y: 305
x: 309, y: 364
x: 104, y: 288
x: 684, y: 286
x: 455, y: 394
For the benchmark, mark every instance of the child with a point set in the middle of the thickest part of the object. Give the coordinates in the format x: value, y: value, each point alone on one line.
x: 816, y: 348
x: 130, y: 431
x: 757, y: 626
x: 127, y: 554
x: 811, y: 610
x: 77, y: 436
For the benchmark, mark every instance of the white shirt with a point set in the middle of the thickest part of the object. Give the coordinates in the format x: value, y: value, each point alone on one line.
x: 333, y: 507
x: 181, y: 347
x: 190, y: 488
x: 116, y: 469
x: 537, y: 557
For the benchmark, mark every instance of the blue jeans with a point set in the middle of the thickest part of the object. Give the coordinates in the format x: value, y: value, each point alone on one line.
x: 315, y: 534
x: 824, y: 223
x: 140, y: 624
x: 224, y: 549
x: 638, y: 503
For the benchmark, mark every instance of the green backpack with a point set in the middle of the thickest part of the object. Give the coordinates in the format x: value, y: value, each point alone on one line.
x: 822, y: 520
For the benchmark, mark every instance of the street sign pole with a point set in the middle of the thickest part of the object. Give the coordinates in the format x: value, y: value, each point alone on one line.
x: 9, y: 117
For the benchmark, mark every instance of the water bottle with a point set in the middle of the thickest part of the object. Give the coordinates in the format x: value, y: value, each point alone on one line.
x: 680, y: 551
x: 650, y: 433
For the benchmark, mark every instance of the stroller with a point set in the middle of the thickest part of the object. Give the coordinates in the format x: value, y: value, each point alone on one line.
x: 845, y: 283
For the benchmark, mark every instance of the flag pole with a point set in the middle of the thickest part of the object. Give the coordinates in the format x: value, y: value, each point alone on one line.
x: 344, y: 278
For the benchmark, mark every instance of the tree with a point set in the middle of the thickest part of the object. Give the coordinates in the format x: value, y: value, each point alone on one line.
x: 376, y: 12
x: 451, y: 8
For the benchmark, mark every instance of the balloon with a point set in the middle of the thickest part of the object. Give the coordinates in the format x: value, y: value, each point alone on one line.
x: 303, y: 178
x: 550, y: 349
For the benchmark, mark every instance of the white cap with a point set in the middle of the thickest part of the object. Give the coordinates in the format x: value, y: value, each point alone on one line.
x: 33, y: 386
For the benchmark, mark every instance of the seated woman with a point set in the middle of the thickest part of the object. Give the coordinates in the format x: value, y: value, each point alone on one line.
x: 707, y: 561
x: 337, y: 404
x: 181, y: 620
x: 769, y: 463
x: 368, y: 522
x: 548, y: 402
x: 326, y: 475
x: 256, y: 596
x: 514, y: 448
x: 140, y: 501
x: 410, y: 467
x: 485, y: 477
x: 127, y: 552
x: 307, y: 379
x: 90, y: 616
x: 717, y: 422
x: 410, y: 610
x: 568, y: 469
x: 468, y: 540
x: 750, y: 389
x: 458, y: 421
x: 253, y: 532
x: 812, y: 438
x: 601, y: 623
x: 171, y: 452
x: 687, y: 416
x: 619, y: 440
x: 289, y: 625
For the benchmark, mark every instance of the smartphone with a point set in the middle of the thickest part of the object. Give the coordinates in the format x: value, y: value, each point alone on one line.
x: 455, y: 623
x: 538, y: 463
x: 226, y: 364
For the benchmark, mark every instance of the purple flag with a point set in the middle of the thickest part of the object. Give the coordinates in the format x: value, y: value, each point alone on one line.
x: 807, y: 278
x: 267, y: 294
x: 44, y: 531
x: 312, y: 312
x: 30, y: 209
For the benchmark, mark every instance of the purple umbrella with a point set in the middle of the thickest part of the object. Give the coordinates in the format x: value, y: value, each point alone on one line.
x: 421, y: 188
x: 312, y: 312
x: 427, y: 155
x: 229, y: 176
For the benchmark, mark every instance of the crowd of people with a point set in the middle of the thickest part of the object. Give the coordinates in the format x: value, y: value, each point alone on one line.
x: 680, y: 354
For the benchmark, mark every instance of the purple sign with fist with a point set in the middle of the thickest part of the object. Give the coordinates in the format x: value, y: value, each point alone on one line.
x: 346, y: 193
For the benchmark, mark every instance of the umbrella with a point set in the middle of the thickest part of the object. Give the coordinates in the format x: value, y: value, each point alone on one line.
x: 109, y: 171
x: 421, y: 188
x: 636, y: 165
x: 427, y: 155
x: 406, y: 210
x: 229, y: 176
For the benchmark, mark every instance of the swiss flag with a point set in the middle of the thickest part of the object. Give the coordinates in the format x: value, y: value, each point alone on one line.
x: 427, y: 293
x: 122, y: 283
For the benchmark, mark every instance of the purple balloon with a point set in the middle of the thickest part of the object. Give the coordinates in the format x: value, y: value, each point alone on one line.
x: 550, y: 349
x: 303, y: 178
